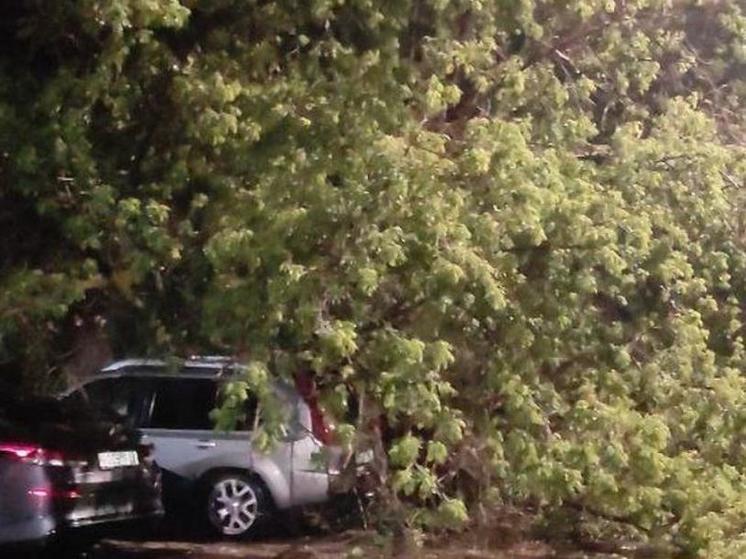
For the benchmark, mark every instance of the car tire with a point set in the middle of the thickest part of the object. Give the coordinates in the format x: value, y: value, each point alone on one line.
x: 236, y: 505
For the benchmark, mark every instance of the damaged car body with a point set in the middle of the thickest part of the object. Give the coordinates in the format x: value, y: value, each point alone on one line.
x: 221, y: 477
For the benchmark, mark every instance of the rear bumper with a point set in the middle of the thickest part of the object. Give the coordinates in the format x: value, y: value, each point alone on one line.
x: 136, y: 494
x: 40, y: 527
x: 113, y: 519
x: 100, y: 508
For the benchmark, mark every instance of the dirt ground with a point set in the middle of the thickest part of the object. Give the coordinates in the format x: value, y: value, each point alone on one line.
x: 350, y: 545
x: 508, y: 537
x: 506, y: 534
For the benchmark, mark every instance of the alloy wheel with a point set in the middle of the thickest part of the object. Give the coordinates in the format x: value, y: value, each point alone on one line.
x: 233, y: 506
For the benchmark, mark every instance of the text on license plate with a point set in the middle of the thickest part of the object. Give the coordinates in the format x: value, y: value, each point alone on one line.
x: 109, y: 460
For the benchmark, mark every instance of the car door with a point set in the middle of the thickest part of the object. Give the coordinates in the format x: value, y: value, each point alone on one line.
x: 178, y: 423
x: 181, y: 431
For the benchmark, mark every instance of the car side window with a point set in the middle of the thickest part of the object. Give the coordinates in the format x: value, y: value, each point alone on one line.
x: 245, y: 412
x: 123, y: 396
x: 183, y: 404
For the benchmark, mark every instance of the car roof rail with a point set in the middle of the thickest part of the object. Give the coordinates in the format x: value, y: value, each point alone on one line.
x: 123, y: 364
x: 213, y: 362
x: 219, y: 359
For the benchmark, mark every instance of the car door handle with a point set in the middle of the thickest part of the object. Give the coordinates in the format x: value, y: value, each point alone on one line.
x: 205, y: 444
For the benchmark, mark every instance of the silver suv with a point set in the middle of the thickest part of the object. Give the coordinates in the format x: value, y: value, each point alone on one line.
x: 232, y: 485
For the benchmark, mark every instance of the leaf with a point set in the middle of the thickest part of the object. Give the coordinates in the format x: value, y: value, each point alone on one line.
x: 404, y: 451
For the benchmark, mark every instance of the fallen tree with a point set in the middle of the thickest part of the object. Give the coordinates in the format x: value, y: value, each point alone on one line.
x: 511, y: 229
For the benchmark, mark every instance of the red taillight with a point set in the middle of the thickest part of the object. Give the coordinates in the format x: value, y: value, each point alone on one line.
x: 44, y: 493
x: 23, y: 452
x: 19, y: 450
x: 304, y: 383
x: 318, y: 423
x: 32, y: 454
x: 40, y: 493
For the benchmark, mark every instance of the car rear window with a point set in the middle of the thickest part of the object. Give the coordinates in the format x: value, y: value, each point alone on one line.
x: 59, y: 424
x: 123, y: 396
x: 36, y: 410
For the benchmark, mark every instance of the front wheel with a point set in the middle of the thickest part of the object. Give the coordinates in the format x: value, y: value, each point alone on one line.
x: 236, y: 505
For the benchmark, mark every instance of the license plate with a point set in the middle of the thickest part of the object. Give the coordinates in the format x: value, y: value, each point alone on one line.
x: 111, y: 460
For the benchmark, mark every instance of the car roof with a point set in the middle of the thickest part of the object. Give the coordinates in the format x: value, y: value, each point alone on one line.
x: 195, y: 365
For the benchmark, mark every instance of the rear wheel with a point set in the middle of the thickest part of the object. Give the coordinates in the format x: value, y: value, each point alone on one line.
x: 236, y: 505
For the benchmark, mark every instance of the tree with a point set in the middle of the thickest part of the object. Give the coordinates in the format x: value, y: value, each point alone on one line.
x: 511, y: 228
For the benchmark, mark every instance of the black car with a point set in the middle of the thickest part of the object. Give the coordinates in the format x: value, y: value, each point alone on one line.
x: 62, y: 469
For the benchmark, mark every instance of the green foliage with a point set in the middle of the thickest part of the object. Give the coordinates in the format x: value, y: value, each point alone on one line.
x: 514, y: 227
